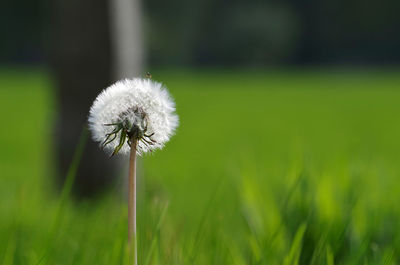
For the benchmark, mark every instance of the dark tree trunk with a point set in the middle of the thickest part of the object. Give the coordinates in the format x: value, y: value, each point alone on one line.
x: 81, y: 66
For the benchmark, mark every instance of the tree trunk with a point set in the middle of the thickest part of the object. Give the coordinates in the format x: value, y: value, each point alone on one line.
x: 126, y: 38
x: 80, y: 58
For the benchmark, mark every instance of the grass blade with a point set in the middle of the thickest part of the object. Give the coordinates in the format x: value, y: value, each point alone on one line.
x: 294, y: 254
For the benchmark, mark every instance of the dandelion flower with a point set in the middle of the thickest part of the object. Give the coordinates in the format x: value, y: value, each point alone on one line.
x: 133, y: 116
x: 139, y: 108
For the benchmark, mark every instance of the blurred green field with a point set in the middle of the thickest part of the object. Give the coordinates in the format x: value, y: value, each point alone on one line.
x: 267, y: 167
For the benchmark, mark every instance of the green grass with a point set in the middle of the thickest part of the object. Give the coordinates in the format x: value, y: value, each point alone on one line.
x: 282, y: 167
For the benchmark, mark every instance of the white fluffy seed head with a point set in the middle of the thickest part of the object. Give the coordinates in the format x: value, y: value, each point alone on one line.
x: 132, y: 100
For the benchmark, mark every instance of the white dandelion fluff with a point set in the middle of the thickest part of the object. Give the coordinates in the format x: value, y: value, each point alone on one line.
x: 139, y: 109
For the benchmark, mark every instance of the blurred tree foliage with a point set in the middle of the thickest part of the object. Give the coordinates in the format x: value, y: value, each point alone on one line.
x: 236, y: 32
x: 22, y: 30
x: 270, y: 31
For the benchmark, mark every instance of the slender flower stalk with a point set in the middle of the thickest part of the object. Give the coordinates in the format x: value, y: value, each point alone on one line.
x: 133, y: 116
x: 132, y: 203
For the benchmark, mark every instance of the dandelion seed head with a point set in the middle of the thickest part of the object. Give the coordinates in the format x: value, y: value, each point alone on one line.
x: 138, y: 102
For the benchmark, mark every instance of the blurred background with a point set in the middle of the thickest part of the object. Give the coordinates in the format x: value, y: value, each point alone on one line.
x: 224, y: 33
x: 86, y: 45
x: 287, y: 153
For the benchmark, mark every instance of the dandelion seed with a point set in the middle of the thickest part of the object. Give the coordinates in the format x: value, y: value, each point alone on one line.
x: 139, y: 108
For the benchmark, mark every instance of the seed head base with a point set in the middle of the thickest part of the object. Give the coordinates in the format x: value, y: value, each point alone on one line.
x: 130, y: 131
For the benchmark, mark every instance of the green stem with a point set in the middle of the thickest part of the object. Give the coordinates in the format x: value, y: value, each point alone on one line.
x: 132, y: 236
